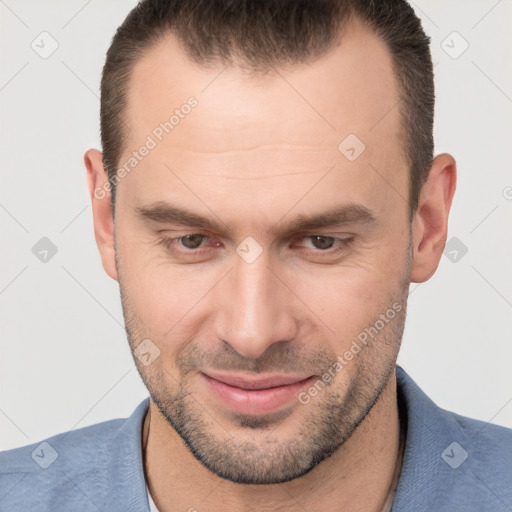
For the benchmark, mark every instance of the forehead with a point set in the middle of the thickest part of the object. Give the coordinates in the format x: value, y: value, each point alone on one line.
x: 347, y: 90
x: 286, y: 123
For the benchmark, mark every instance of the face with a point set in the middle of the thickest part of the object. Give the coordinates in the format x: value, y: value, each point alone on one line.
x: 254, y: 254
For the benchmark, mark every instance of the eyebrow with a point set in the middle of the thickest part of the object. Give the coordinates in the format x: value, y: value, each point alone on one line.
x: 165, y: 213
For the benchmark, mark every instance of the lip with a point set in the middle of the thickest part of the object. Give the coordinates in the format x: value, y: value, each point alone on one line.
x: 271, y: 381
x: 255, y: 396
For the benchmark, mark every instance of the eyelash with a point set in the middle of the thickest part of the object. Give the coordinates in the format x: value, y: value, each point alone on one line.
x: 343, y: 245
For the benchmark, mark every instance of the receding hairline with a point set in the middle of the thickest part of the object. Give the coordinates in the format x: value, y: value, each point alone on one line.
x: 170, y: 37
x: 299, y: 33
x: 170, y: 40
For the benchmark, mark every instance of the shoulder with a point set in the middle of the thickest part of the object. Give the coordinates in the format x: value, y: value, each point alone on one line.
x: 477, y: 459
x: 76, y: 446
x: 451, y: 461
x: 70, y: 470
x: 485, y: 437
x: 486, y: 447
x: 486, y: 443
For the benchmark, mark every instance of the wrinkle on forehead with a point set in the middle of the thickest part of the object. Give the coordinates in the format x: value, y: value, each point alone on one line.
x: 265, y: 147
x: 255, y: 178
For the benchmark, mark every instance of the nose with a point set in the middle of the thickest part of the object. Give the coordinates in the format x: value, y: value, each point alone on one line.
x: 254, y: 308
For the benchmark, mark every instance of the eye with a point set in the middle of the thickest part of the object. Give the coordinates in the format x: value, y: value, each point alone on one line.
x: 191, y: 245
x: 321, y: 242
x: 199, y: 245
x: 191, y: 241
x: 324, y: 246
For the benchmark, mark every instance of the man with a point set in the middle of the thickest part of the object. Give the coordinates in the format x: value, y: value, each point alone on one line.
x: 266, y: 193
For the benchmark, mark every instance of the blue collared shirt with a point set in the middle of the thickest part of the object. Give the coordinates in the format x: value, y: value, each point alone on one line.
x: 451, y: 463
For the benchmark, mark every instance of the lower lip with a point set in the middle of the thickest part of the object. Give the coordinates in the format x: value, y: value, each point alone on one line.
x: 255, y: 401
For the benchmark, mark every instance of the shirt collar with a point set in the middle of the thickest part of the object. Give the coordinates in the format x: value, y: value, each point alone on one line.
x: 425, y: 477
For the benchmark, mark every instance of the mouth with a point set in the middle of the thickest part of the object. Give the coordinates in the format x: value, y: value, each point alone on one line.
x: 254, y: 395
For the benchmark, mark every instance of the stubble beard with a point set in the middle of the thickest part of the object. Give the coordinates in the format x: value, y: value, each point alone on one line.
x: 259, y: 455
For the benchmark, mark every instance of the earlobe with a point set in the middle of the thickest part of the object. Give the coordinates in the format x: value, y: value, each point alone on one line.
x: 430, y: 223
x: 99, y: 192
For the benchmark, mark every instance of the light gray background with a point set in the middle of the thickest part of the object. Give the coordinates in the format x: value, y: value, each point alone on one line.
x: 64, y: 357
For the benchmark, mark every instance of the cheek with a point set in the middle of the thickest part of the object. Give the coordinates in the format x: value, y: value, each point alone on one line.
x: 153, y: 294
x: 168, y: 299
x: 163, y: 298
x: 345, y: 303
x: 351, y: 298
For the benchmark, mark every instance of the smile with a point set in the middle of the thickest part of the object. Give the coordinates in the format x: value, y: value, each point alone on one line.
x: 254, y: 396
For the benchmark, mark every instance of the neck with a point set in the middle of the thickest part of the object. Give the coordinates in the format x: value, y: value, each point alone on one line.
x: 360, y: 476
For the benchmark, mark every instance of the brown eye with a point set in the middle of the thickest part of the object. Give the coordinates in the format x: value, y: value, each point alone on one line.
x: 191, y: 241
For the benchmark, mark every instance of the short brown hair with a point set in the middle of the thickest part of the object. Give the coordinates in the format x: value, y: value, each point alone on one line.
x: 265, y: 33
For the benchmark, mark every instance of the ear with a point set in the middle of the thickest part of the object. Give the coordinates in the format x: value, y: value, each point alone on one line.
x: 99, y: 191
x: 430, y: 223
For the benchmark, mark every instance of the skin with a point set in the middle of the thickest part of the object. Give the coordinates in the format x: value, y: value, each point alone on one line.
x: 254, y: 155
